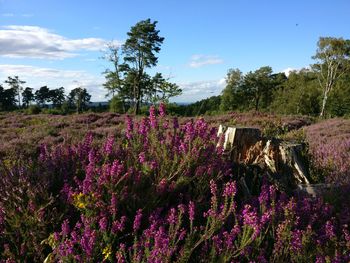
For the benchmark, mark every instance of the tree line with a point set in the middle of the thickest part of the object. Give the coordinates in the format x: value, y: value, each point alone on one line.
x: 322, y: 90
x: 18, y: 97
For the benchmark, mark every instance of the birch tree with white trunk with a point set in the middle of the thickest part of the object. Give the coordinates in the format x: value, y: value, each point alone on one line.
x: 332, y: 62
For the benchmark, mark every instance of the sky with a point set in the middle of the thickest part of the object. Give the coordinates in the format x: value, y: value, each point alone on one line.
x: 60, y: 43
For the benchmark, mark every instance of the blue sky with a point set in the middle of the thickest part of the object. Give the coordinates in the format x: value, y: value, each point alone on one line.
x: 59, y: 43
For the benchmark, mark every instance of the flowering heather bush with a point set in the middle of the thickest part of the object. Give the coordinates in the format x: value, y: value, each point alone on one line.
x: 330, y: 149
x: 158, y: 191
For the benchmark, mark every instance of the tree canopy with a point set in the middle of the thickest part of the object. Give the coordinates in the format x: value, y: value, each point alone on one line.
x: 128, y: 78
x: 332, y: 62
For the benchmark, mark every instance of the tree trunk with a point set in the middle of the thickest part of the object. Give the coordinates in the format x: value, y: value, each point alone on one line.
x: 324, y: 101
x: 137, y: 105
x: 257, y: 99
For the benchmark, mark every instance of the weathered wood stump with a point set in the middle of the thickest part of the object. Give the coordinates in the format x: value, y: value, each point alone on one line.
x: 317, y: 189
x: 282, y: 161
x: 239, y: 140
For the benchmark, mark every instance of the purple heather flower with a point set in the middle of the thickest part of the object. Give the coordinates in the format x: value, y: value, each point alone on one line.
x: 166, y: 124
x: 88, y: 241
x: 175, y: 123
x: 92, y: 156
x: 144, y: 126
x: 87, y: 183
x: 129, y: 127
x: 230, y: 189
x: 108, y: 147
x: 172, y: 216
x: 103, y: 223
x: 118, y: 226
x: 65, y: 228
x: 43, y: 152
x: 296, y: 241
x: 266, y: 216
x: 261, y: 259
x: 113, y: 206
x: 217, y: 242
x: 329, y: 230
x: 213, y: 187
x: 264, y: 194
x: 250, y: 218
x: 142, y: 157
x: 153, y: 117
x: 320, y: 259
x: 137, y: 221
x: 153, y: 164
x: 31, y: 206
x: 162, y: 110
x: 191, y: 210
x: 189, y: 131
x: 182, y: 208
x: 116, y: 168
x: 201, y: 127
x: 183, y: 147
x: 182, y: 234
x: 346, y: 236
x: 162, y: 186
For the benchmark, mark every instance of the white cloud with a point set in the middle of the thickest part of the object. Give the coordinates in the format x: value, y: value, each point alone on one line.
x: 38, y: 42
x: 7, y: 15
x: 36, y: 77
x: 194, y: 91
x: 27, y: 15
x: 198, y: 61
x: 287, y: 71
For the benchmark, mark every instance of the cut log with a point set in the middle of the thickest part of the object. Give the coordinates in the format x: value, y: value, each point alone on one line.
x: 291, y: 155
x: 282, y: 161
x: 315, y: 190
x: 238, y: 140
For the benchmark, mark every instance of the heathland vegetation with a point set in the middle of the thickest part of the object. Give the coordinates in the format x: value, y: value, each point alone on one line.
x: 155, y: 185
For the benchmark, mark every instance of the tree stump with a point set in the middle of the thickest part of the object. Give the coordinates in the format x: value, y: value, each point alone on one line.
x: 282, y: 161
x: 238, y: 140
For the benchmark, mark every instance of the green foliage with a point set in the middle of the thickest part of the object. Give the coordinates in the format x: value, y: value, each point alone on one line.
x: 300, y: 95
x: 128, y: 78
x: 116, y: 105
x: 42, y: 95
x: 7, y: 99
x: 28, y: 96
x: 65, y: 107
x: 232, y: 94
x: 57, y: 97
x: 251, y: 91
x: 339, y: 98
x: 79, y: 97
x: 16, y: 84
x: 33, y: 109
x: 258, y: 87
x: 332, y: 62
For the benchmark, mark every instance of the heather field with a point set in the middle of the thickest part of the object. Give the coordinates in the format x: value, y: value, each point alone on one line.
x: 116, y: 188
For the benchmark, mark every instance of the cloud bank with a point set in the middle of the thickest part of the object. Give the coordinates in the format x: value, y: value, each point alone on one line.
x: 38, y: 42
x: 198, y: 90
x: 198, y: 61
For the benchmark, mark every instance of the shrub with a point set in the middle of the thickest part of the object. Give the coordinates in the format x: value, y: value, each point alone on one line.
x: 116, y: 105
x: 34, y: 109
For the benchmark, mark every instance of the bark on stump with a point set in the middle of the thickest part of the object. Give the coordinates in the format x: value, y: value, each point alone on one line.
x: 238, y: 140
x: 282, y: 161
